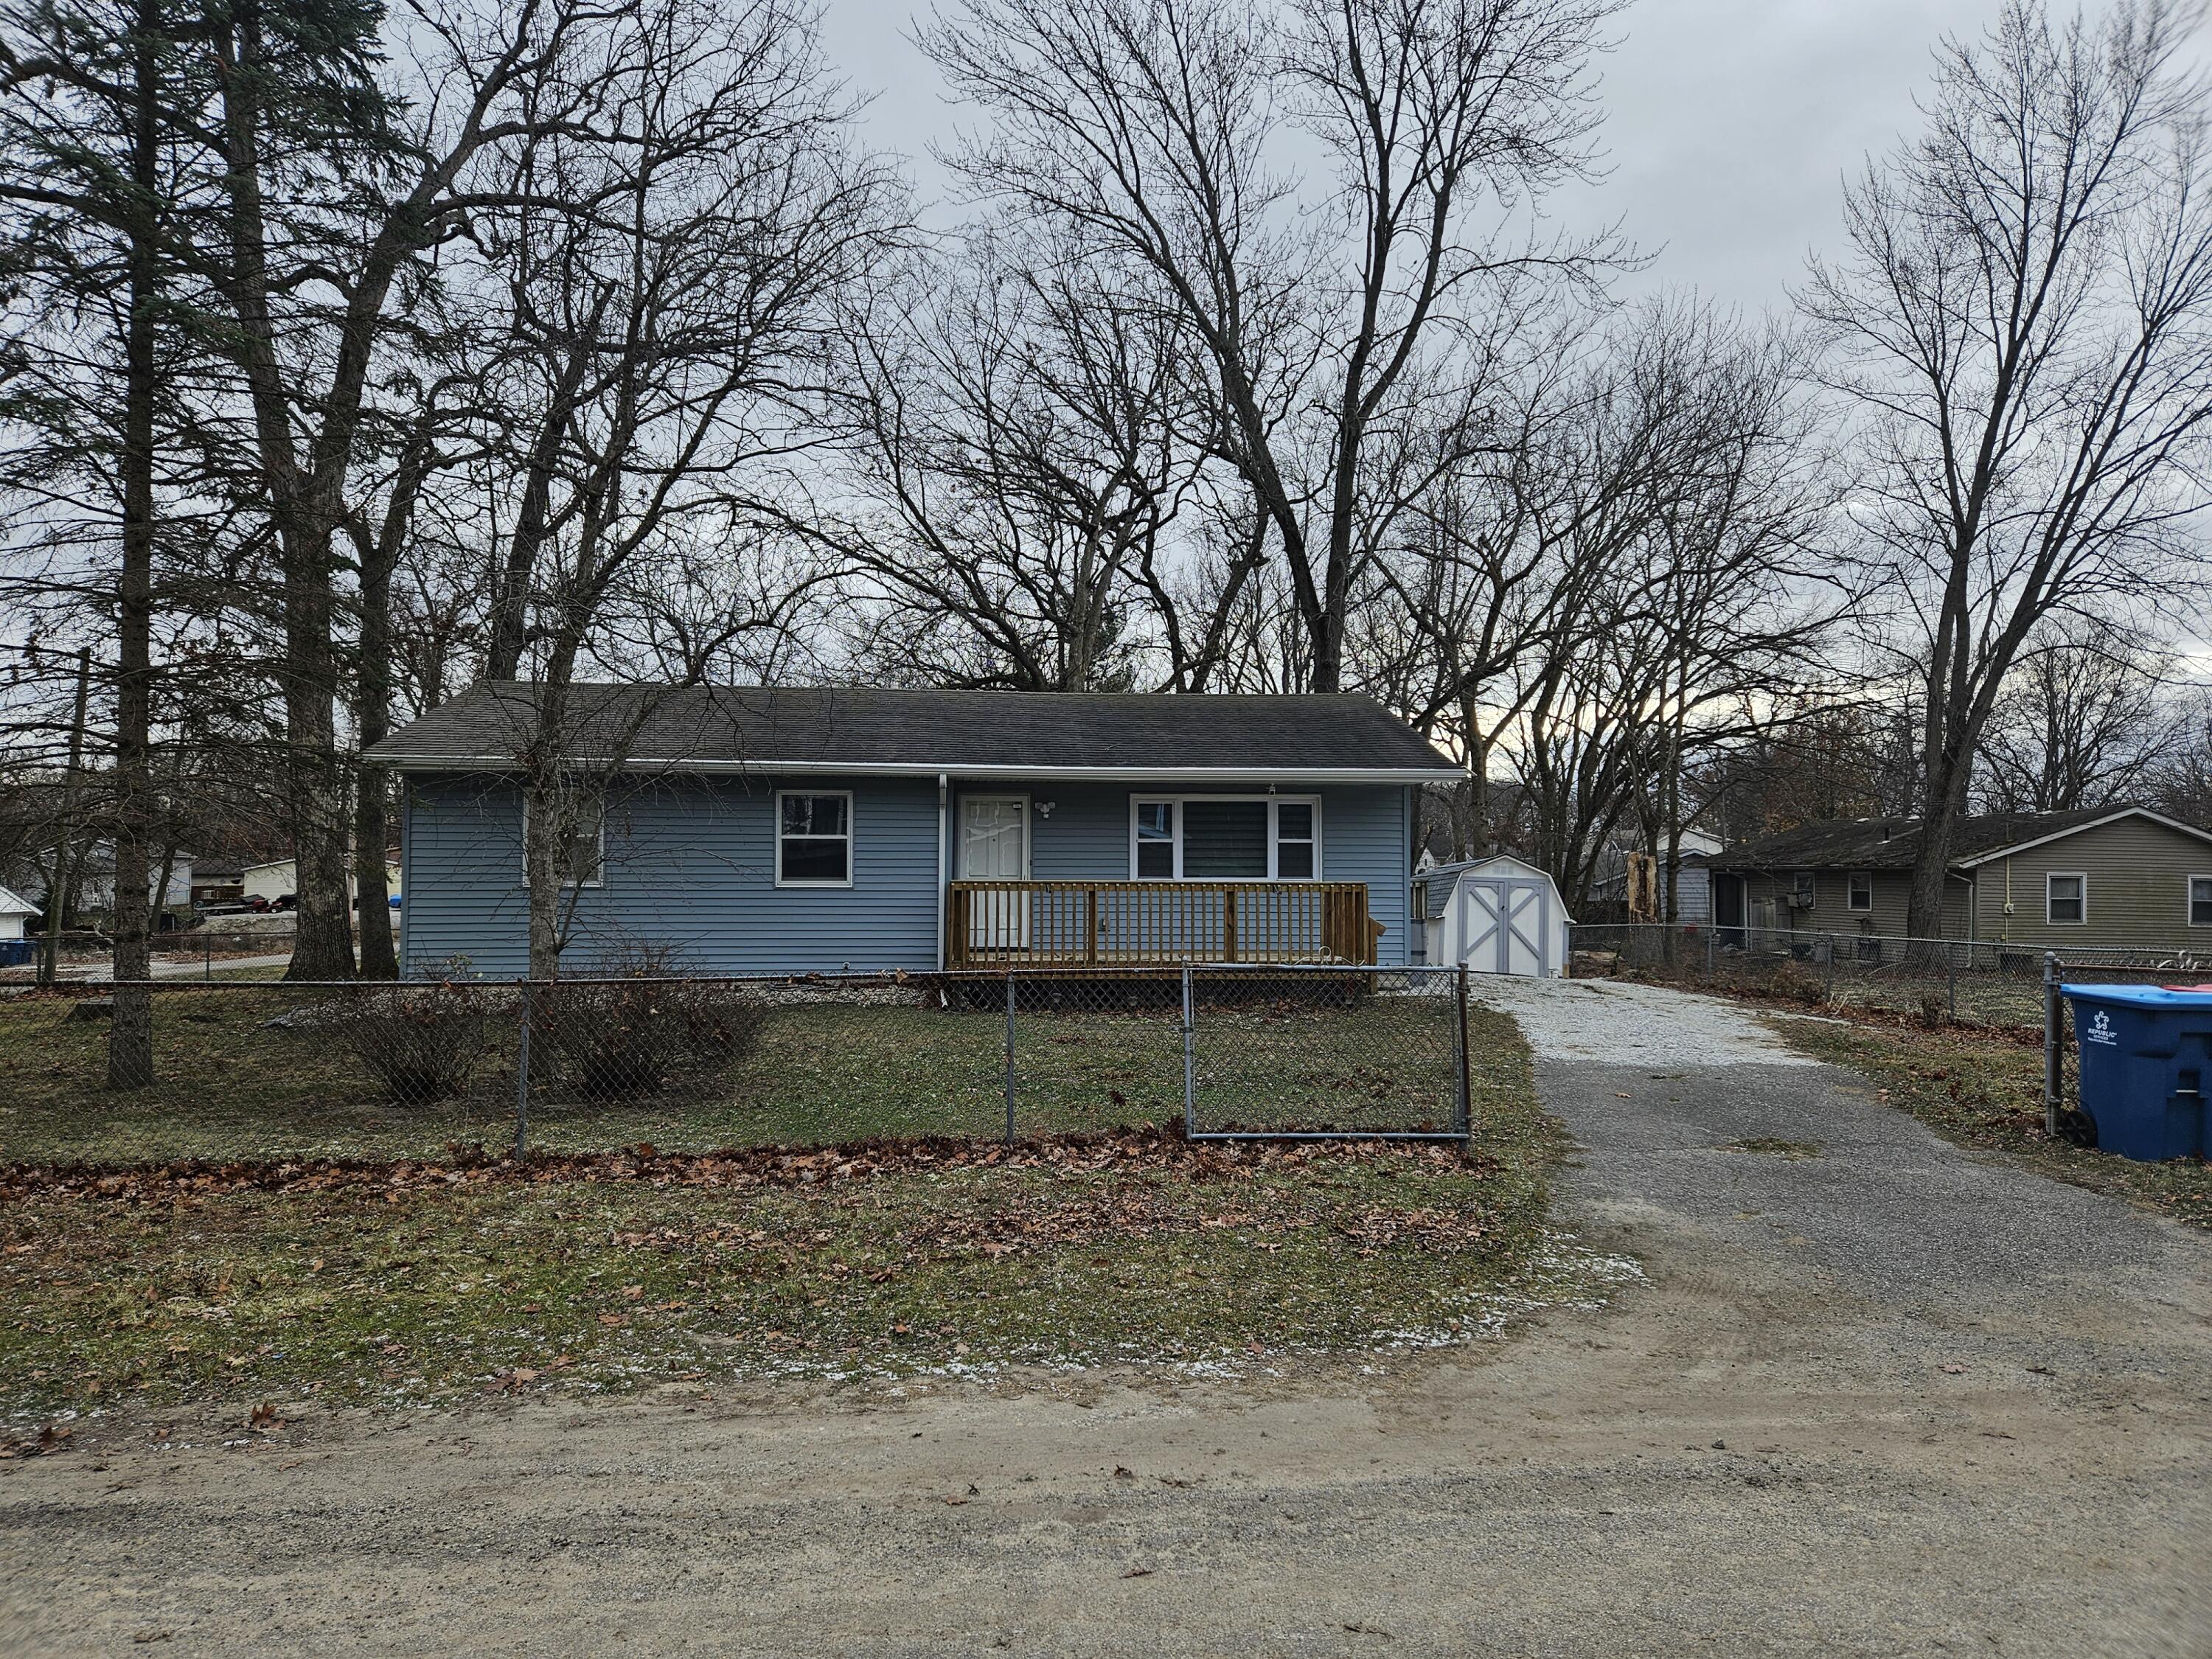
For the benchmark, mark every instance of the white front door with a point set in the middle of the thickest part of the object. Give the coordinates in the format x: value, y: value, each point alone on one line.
x: 995, y: 846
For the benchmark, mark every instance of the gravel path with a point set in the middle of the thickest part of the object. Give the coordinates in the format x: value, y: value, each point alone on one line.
x: 1613, y: 1020
x: 1876, y: 1397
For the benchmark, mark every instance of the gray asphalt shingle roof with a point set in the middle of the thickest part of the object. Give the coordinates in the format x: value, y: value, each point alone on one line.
x: 1892, y: 843
x: 866, y: 727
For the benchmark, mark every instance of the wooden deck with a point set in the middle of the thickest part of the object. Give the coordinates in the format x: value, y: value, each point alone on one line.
x: 1136, y: 923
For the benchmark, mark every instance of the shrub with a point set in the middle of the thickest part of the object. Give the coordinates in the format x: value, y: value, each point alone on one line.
x: 1795, y: 982
x: 423, y: 1042
x: 612, y: 1038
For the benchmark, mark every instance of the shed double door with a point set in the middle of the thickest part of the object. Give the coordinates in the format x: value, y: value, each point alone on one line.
x: 1506, y: 924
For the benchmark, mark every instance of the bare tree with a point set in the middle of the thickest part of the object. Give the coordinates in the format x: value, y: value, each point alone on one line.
x: 657, y: 315
x: 2083, y: 720
x: 2024, y: 326
x: 1159, y: 132
x: 1026, y: 443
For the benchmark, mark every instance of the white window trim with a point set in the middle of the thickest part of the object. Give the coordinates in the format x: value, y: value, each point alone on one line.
x: 775, y: 833
x: 959, y: 828
x: 2189, y: 900
x: 1851, y: 880
x: 1274, y: 835
x: 598, y: 860
x: 2049, y: 876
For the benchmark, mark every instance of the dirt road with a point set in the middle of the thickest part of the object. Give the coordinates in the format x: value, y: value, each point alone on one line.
x: 1874, y: 1396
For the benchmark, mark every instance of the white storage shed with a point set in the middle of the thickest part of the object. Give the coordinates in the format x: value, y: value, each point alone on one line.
x: 1498, y: 915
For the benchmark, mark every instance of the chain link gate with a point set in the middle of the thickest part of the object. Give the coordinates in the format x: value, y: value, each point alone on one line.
x: 1325, y: 1053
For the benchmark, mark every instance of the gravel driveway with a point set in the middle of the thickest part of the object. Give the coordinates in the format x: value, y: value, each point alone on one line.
x: 1874, y: 1396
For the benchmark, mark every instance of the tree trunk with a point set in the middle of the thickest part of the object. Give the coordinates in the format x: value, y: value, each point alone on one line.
x: 61, y: 886
x: 130, y: 1030
x: 372, y: 718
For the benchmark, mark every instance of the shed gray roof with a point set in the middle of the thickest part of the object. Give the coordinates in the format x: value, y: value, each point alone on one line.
x: 1893, y: 844
x: 868, y: 729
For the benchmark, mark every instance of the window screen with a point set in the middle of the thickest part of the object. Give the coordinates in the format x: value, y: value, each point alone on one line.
x: 1224, y: 840
x: 2200, y: 901
x: 1862, y: 891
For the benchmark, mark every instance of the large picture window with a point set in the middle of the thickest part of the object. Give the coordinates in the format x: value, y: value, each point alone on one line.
x: 1225, y: 838
x: 814, y: 839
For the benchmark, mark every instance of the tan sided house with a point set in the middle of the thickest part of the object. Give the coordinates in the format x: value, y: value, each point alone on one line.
x: 2104, y: 877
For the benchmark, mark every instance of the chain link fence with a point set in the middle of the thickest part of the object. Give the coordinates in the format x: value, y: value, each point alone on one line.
x: 258, y: 1070
x: 1991, y: 986
x: 1940, y: 981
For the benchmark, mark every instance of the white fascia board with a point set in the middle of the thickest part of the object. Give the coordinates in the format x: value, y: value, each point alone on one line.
x: 1403, y: 775
x: 2082, y: 829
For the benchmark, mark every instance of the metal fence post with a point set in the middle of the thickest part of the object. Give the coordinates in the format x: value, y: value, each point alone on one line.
x: 1189, y: 1059
x: 522, y: 1078
x: 2050, y: 1063
x: 1951, y: 980
x: 1712, y: 949
x: 1010, y: 1056
x: 1466, y: 1086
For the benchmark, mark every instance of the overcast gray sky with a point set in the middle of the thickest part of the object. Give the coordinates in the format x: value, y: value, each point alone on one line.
x: 1730, y: 124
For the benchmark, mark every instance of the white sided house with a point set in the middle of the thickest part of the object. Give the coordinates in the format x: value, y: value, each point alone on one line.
x: 1499, y: 914
x: 15, y: 913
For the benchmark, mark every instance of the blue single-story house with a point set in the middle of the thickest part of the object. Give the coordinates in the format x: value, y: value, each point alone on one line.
x: 760, y: 830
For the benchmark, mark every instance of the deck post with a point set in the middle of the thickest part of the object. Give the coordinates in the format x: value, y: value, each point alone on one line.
x: 1229, y: 923
x: 1091, y: 924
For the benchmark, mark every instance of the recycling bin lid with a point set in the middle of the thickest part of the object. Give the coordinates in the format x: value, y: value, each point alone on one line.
x: 2145, y: 996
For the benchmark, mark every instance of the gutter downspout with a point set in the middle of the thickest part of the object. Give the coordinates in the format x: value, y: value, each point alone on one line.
x: 942, y: 790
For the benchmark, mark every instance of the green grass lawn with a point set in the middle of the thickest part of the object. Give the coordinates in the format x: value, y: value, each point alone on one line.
x: 538, y: 1280
x: 233, y: 1085
x: 1986, y: 1091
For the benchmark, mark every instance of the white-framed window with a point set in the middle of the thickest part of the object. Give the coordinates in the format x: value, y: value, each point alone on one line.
x: 1225, y: 837
x: 1801, y: 889
x: 1860, y: 889
x: 2065, y: 897
x: 814, y: 838
x: 585, y: 862
x: 1420, y: 902
x: 2200, y: 901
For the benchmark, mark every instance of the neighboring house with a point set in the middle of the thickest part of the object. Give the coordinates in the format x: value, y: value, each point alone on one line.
x: 764, y: 830
x: 2105, y: 877
x: 217, y: 883
x: 276, y: 878
x: 1692, y: 883
x: 95, y: 882
x: 15, y: 913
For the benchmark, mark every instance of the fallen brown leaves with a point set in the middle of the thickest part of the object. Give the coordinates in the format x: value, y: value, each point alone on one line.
x: 51, y: 1438
x: 1092, y: 1151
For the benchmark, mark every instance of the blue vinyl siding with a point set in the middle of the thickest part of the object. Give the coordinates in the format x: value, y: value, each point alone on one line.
x: 690, y: 863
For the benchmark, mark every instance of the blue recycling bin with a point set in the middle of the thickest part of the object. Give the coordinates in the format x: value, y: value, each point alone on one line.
x: 2145, y: 1052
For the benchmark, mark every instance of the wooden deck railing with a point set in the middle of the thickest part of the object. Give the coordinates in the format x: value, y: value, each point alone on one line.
x: 1075, y: 924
